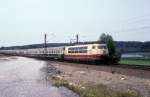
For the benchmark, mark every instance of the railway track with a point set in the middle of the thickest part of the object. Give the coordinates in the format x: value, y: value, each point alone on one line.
x: 127, y: 66
x: 129, y: 70
x: 132, y: 66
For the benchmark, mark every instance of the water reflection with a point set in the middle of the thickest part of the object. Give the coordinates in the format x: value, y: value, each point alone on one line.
x: 23, y: 77
x: 135, y: 56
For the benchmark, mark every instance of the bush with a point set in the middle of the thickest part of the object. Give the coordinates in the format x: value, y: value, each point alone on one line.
x: 116, y: 58
x: 114, y: 55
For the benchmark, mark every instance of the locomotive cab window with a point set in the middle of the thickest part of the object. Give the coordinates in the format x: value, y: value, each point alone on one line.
x: 102, y: 47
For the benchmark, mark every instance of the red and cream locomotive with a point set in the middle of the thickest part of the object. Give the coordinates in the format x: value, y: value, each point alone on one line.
x: 88, y: 52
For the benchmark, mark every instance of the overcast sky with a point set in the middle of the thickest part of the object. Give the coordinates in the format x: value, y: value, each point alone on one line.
x: 25, y: 21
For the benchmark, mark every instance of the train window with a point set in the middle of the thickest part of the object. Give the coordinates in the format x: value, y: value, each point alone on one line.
x: 76, y: 51
x: 93, y: 47
x: 73, y: 51
x: 85, y: 47
x: 102, y: 47
x: 80, y: 51
x: 85, y: 51
x: 69, y: 51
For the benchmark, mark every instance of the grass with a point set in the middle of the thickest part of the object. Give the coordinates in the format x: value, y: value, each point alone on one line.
x: 92, y: 91
x: 135, y: 62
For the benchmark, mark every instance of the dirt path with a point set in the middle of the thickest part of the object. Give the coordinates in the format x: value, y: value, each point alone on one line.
x: 112, y: 79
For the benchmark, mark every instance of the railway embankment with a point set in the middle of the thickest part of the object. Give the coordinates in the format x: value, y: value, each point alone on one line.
x: 98, y: 83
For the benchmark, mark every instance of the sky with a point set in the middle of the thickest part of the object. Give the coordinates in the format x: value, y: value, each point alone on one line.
x: 24, y: 22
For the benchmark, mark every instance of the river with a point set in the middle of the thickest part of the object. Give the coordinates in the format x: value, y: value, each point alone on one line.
x: 24, y: 77
x: 135, y: 56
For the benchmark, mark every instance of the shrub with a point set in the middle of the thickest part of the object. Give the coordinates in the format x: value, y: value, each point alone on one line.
x: 114, y: 55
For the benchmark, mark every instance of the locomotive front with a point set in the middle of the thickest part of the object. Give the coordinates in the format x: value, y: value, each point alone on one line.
x: 100, y: 51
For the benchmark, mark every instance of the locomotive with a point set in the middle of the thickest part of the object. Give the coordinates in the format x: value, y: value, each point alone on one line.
x: 85, y: 52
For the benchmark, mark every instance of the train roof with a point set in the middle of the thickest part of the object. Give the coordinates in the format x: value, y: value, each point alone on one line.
x: 78, y: 45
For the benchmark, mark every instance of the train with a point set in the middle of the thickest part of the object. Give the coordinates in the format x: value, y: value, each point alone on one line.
x: 84, y: 52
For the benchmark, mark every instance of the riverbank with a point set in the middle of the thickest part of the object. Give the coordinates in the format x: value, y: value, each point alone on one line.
x: 85, y: 77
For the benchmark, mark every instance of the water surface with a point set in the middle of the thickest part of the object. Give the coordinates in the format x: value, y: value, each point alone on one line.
x: 23, y: 77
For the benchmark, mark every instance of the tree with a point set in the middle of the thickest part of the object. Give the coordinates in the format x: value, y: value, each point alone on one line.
x: 110, y: 43
x: 113, y: 55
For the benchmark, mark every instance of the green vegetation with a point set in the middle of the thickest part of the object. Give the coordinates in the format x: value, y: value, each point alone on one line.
x: 114, y: 55
x: 136, y: 62
x: 92, y: 91
x: 132, y: 46
x: 110, y: 43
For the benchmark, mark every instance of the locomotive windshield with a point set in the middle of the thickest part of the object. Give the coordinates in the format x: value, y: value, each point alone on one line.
x: 102, y: 47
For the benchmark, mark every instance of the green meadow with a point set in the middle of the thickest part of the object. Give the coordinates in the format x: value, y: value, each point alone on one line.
x: 135, y: 62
